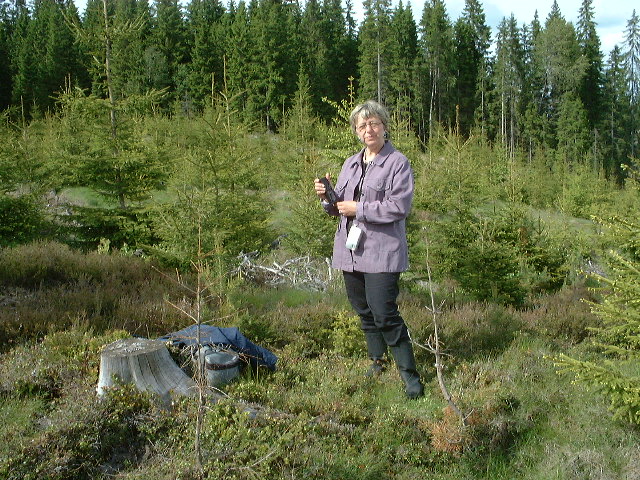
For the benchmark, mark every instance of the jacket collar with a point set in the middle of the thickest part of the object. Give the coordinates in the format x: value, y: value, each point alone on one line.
x: 386, y: 150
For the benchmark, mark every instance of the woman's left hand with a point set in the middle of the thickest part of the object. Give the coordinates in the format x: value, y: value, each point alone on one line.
x: 348, y: 208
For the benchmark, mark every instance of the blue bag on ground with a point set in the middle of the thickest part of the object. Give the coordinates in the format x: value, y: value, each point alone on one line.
x: 229, y: 337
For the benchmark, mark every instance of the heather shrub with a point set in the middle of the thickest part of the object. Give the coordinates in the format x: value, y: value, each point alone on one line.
x: 50, y: 263
x: 477, y: 329
x: 564, y: 315
x: 52, y: 366
x: 47, y: 287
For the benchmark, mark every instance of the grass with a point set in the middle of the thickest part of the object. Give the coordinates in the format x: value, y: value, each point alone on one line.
x: 19, y: 418
x: 86, y: 197
x: 325, y: 419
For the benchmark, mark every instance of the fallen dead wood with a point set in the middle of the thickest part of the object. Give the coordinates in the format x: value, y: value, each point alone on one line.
x: 302, y: 272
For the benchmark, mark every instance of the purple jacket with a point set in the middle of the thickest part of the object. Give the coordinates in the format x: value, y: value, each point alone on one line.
x: 382, y: 209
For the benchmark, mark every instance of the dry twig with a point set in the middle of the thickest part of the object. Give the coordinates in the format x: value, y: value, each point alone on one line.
x: 434, y: 346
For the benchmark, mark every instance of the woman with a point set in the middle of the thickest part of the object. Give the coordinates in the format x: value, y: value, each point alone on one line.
x: 374, y: 193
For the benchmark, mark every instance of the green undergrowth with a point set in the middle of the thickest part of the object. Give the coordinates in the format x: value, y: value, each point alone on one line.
x: 320, y: 417
x: 47, y: 287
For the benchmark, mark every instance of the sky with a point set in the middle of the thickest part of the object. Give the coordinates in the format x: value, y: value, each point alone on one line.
x: 611, y: 16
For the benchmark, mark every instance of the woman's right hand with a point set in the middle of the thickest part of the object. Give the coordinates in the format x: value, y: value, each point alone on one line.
x: 319, y: 187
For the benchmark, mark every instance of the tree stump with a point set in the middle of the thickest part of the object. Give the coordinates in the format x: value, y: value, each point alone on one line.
x: 145, y: 363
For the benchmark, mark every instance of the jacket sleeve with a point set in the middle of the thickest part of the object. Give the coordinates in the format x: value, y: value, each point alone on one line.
x: 398, y: 196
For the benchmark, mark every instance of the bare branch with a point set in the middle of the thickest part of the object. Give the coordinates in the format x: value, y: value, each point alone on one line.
x: 434, y: 347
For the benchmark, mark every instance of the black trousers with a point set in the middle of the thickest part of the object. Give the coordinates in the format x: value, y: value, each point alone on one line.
x: 373, y: 296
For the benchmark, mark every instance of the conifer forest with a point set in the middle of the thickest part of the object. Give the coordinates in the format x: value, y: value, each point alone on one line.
x: 532, y: 84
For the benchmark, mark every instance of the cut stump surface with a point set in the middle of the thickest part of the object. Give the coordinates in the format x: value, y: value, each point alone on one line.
x: 145, y: 363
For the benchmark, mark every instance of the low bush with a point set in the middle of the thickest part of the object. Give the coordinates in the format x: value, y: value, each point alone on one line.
x: 46, y: 286
x: 564, y: 315
x: 475, y: 330
x: 89, y: 439
x: 318, y: 416
x: 21, y: 220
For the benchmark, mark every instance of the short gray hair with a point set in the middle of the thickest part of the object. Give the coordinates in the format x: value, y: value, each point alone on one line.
x: 368, y: 109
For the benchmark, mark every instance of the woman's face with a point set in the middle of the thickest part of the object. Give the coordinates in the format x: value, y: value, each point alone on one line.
x: 370, y: 131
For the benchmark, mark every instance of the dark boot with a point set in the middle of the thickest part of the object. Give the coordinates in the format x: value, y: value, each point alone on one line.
x: 377, y: 348
x: 406, y: 362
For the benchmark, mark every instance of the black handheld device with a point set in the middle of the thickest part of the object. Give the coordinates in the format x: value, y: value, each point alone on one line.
x: 329, y: 192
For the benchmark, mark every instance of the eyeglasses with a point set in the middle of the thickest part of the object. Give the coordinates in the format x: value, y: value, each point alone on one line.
x: 360, y: 128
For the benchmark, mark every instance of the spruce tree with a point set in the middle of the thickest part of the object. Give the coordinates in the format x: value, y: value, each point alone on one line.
x: 214, y: 191
x: 309, y: 229
x: 6, y: 27
x: 617, y: 114
x: 374, y: 40
x: 43, y: 54
x: 509, y: 82
x: 403, y: 51
x: 272, y: 68
x: 533, y: 91
x: 208, y: 42
x: 436, y: 78
x: 316, y: 59
x: 559, y: 57
x: 591, y: 87
x: 472, y: 41
x: 169, y: 38
x: 632, y: 66
x: 614, y: 373
x: 240, y: 68
x: 135, y: 66
x: 342, y: 49
x: 573, y: 130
